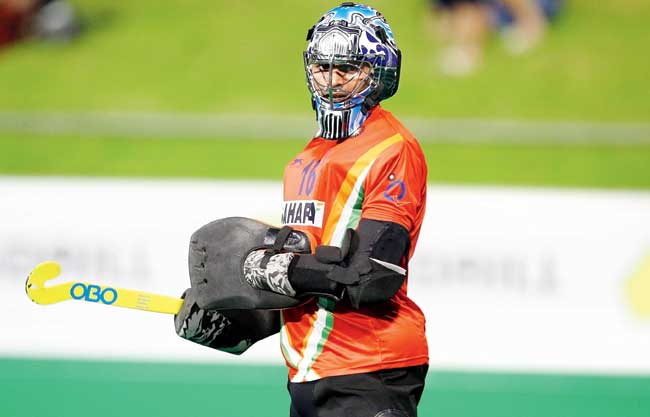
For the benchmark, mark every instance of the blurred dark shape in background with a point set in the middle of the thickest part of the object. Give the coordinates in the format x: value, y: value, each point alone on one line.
x: 464, y: 28
x: 14, y: 18
x: 49, y: 20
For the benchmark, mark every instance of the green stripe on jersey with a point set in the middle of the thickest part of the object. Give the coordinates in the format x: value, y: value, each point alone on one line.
x: 323, y: 326
x: 352, y: 209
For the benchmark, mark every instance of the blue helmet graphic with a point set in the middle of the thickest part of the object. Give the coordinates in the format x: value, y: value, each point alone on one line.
x: 352, y: 63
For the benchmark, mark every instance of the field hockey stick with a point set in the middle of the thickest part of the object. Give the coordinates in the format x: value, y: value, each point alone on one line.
x: 112, y: 296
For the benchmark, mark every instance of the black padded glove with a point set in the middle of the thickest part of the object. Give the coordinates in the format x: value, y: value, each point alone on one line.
x: 203, y: 326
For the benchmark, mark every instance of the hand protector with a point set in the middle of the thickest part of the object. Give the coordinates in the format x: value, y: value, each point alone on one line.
x: 201, y: 326
x: 231, y: 331
x: 216, y: 254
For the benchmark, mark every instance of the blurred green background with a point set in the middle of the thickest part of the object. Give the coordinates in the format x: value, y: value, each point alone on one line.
x: 195, y: 57
x: 198, y: 57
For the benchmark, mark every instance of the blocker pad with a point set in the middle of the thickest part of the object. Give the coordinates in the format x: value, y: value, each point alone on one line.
x: 215, y: 256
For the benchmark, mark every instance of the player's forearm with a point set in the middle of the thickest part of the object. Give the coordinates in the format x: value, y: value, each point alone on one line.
x: 365, y: 269
x: 369, y: 273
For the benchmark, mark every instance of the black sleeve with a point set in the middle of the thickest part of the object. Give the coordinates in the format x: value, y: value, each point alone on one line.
x: 382, y: 240
x: 330, y: 270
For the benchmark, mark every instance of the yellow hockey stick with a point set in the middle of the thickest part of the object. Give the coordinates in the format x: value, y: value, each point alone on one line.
x: 119, y: 297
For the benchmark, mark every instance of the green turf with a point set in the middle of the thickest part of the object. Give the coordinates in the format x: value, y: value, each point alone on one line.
x: 215, y: 56
x: 53, y: 388
x: 602, y: 166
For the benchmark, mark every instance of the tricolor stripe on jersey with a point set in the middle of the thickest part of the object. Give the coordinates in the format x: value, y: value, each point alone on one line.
x: 347, y: 206
x: 312, y: 346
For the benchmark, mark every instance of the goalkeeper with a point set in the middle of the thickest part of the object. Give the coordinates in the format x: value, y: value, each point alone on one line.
x: 355, y: 197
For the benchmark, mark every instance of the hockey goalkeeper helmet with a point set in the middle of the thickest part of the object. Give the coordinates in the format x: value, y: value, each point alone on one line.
x: 352, y: 63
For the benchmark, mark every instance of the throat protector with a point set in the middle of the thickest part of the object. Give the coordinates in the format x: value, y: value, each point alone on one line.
x: 215, y: 257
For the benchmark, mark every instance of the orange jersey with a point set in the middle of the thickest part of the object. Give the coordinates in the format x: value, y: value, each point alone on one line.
x: 329, y: 187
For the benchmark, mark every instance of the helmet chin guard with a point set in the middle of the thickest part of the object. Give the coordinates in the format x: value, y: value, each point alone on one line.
x: 339, y: 124
x: 351, y: 63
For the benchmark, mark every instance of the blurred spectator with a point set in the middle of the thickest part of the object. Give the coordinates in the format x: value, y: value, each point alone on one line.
x: 44, y: 19
x: 465, y: 26
x: 527, y: 24
x: 14, y: 19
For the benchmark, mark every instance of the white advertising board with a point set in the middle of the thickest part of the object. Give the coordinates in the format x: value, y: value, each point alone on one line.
x: 516, y: 279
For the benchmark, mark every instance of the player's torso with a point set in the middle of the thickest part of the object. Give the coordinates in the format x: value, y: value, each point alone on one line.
x: 323, y: 195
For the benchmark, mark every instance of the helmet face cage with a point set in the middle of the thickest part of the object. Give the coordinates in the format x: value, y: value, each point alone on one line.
x: 340, y: 81
x: 351, y: 64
